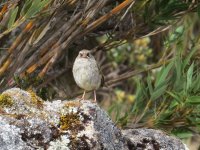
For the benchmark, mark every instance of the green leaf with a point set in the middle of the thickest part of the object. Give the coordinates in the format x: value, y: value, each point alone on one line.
x: 141, y: 92
x: 189, y: 76
x: 159, y: 92
x: 111, y: 108
x: 177, y: 34
x: 36, y: 7
x: 162, y: 75
x: 176, y: 97
x: 196, y: 84
x: 13, y: 16
x: 150, y: 87
x: 184, y: 135
x: 117, y: 111
x: 25, y: 7
x: 193, y: 100
x: 187, y: 60
x: 179, y: 30
x: 124, y: 119
x: 178, y: 72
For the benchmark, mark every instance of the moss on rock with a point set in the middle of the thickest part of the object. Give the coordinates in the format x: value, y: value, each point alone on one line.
x: 35, y: 99
x: 5, y: 100
x: 69, y: 121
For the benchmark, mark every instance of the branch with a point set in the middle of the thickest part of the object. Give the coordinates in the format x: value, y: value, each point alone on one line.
x: 102, y: 19
x: 132, y: 73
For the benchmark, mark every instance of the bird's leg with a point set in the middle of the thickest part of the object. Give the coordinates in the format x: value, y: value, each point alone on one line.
x: 83, y: 97
x: 95, y: 97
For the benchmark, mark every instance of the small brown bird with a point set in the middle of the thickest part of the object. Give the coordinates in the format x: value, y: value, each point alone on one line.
x: 86, y: 72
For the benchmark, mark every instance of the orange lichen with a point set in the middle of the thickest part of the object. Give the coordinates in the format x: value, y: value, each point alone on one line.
x: 72, y: 104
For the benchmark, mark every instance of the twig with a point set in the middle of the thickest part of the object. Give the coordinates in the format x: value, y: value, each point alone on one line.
x: 102, y: 19
x: 132, y: 73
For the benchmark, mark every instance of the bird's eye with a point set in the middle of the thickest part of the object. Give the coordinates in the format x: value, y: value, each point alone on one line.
x: 88, y: 54
x: 81, y: 54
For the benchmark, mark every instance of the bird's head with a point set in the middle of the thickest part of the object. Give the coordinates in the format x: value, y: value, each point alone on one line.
x: 85, y: 54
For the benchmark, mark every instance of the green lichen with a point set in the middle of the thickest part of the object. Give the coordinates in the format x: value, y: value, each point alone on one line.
x: 36, y: 100
x: 5, y: 100
x: 69, y: 121
x: 72, y: 122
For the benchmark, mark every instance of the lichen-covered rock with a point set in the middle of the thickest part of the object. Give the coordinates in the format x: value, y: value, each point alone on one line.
x: 27, y: 122
x: 150, y: 139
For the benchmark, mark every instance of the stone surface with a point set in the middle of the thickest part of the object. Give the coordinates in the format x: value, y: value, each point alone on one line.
x: 29, y: 123
x: 150, y: 139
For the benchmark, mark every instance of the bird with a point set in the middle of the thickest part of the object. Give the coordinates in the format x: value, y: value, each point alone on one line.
x: 86, y: 72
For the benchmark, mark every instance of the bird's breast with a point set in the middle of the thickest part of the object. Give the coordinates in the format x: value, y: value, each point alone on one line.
x: 86, y: 74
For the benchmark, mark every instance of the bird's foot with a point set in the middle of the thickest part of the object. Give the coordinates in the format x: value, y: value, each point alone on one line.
x: 94, y: 101
x: 81, y: 99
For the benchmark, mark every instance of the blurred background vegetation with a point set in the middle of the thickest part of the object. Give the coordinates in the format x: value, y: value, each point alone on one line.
x: 148, y: 51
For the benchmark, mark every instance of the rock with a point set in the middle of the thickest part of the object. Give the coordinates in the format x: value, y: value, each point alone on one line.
x: 150, y: 139
x: 29, y: 123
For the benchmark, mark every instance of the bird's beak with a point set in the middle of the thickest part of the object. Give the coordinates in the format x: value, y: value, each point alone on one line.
x: 85, y: 56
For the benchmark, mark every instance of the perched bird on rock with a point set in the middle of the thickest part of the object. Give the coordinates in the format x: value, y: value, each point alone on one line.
x: 86, y: 72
